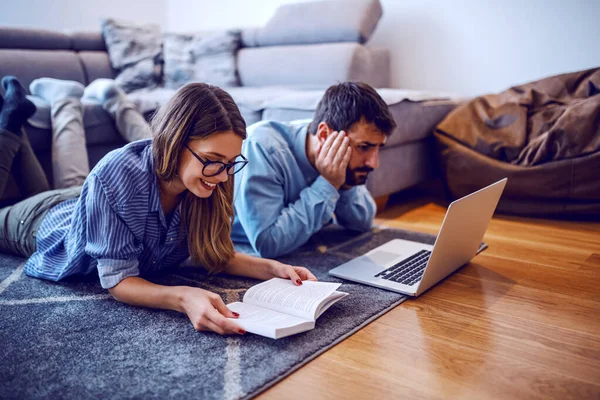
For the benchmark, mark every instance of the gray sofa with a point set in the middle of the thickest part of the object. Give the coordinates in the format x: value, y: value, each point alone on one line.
x: 282, y: 82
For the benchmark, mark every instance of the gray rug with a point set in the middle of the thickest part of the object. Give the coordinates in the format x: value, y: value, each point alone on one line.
x: 71, y: 340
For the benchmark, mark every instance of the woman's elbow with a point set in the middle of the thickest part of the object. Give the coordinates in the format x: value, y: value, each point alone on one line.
x: 115, y: 293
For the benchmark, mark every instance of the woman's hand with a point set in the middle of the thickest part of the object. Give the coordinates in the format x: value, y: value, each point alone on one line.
x: 296, y: 274
x: 207, y: 311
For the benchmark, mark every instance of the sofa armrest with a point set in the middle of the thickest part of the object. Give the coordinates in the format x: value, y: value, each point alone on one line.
x: 313, y: 66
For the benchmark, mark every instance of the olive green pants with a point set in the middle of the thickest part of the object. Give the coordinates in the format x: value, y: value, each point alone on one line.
x: 20, y: 222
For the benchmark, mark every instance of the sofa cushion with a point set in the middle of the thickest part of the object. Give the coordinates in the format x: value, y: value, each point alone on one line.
x: 150, y: 99
x: 28, y: 65
x: 200, y: 57
x: 96, y: 64
x: 318, y: 22
x: 317, y: 64
x: 416, y: 112
x: 257, y: 98
x: 33, y: 39
x: 87, y: 41
x: 401, y: 167
x: 135, y: 51
x: 250, y: 100
x: 286, y: 114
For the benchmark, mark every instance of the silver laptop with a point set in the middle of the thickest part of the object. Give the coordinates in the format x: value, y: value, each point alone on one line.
x: 410, y: 267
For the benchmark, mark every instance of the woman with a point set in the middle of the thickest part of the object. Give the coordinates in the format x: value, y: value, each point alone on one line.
x: 147, y: 206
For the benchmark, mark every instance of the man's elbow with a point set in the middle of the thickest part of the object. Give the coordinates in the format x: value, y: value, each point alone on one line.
x: 265, y: 250
x: 367, y: 225
x: 359, y: 226
x: 267, y: 247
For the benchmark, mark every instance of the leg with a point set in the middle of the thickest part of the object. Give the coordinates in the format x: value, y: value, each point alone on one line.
x: 130, y: 122
x: 70, y: 163
x: 10, y: 144
x: 27, y: 170
x: 20, y: 222
x: 15, y: 110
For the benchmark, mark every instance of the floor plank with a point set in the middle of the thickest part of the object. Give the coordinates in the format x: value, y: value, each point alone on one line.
x: 520, y: 321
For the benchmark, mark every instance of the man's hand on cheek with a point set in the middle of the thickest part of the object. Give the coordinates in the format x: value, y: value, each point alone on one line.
x: 333, y: 158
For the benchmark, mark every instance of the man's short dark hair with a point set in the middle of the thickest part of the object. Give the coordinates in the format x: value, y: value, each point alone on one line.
x: 346, y: 103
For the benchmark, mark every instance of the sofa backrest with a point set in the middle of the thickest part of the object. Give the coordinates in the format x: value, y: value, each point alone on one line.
x: 29, y: 54
x: 313, y: 65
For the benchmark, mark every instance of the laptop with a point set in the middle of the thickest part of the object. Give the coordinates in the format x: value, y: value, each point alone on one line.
x: 411, y: 268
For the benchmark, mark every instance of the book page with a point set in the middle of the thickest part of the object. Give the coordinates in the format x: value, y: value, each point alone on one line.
x: 282, y: 295
x: 266, y: 322
x: 331, y: 300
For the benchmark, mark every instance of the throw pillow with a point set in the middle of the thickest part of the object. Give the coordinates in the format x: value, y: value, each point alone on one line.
x: 207, y: 57
x: 135, y: 51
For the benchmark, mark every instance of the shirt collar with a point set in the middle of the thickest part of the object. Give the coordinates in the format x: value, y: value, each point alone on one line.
x: 299, y: 150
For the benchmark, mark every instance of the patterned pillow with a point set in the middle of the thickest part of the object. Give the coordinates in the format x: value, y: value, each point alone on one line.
x: 208, y: 58
x: 135, y: 51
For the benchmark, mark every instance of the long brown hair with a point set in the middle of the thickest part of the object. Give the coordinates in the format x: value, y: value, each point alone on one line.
x: 197, y: 111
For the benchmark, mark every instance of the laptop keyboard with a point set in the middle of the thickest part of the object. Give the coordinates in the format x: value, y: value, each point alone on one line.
x: 408, y: 271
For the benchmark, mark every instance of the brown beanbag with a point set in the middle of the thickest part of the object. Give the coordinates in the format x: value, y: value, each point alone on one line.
x: 544, y: 136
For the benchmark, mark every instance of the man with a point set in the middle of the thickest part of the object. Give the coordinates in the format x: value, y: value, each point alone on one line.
x: 301, y: 174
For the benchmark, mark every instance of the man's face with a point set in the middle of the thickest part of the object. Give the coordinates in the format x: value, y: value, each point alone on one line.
x: 366, y: 140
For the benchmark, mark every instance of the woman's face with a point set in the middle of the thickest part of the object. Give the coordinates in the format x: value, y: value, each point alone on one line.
x: 221, y: 146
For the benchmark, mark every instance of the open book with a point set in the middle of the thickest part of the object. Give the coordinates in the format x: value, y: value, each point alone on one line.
x: 278, y: 308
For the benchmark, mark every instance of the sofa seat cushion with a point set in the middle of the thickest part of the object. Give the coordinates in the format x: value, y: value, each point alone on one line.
x: 149, y: 100
x: 416, y: 112
x: 250, y: 100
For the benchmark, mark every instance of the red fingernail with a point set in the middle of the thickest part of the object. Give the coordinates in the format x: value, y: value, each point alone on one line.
x: 235, y: 314
x: 241, y: 331
x: 298, y: 282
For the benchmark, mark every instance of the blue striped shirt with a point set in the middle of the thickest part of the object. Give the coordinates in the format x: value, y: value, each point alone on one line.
x: 116, y: 227
x: 281, y: 200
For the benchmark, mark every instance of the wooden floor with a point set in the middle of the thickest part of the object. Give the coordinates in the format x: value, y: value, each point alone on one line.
x: 521, y: 321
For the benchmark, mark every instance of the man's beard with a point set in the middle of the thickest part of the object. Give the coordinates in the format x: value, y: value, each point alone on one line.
x: 352, y: 177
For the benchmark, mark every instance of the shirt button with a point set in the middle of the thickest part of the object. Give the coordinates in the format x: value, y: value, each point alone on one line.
x: 153, y: 261
x: 22, y: 222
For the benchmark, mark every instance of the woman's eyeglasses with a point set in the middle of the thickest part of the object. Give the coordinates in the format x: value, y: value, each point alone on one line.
x: 214, y: 168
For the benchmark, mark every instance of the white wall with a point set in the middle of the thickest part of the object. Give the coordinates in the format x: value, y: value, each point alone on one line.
x: 74, y: 15
x: 473, y: 47
x: 464, y: 46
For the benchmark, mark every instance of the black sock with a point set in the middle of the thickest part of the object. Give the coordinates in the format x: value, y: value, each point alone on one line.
x: 16, y: 108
